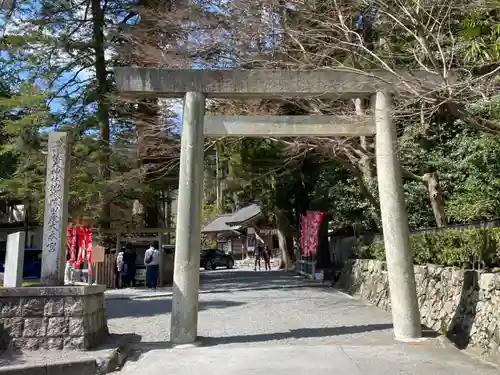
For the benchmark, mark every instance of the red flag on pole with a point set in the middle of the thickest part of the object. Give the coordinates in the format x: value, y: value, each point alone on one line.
x: 88, y: 246
x: 258, y: 237
x: 70, y: 243
x: 79, y: 245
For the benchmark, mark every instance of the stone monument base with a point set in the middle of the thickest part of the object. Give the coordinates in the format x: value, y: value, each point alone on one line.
x: 62, y: 317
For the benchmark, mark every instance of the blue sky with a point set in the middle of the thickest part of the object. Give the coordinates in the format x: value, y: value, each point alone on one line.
x: 57, y: 105
x: 14, y: 26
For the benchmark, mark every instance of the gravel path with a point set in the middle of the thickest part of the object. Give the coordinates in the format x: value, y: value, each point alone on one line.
x: 257, y: 308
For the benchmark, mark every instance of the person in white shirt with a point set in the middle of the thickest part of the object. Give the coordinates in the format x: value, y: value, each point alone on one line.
x: 152, y: 263
x: 119, y: 269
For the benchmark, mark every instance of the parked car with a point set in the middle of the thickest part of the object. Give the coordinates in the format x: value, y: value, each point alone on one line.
x: 32, y: 267
x: 210, y: 259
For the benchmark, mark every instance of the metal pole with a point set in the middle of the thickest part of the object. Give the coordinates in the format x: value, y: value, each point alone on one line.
x: 184, y: 321
x: 404, y: 304
x: 162, y: 259
x: 97, y: 273
x: 217, y: 176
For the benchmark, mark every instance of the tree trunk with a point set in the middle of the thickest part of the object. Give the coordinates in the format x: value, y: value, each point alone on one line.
x: 98, y: 22
x: 149, y: 119
x: 147, y: 127
x: 301, y: 203
x: 168, y: 214
x: 431, y: 182
x: 367, y: 166
x: 368, y: 181
x: 285, y: 242
x: 26, y: 222
x: 137, y: 213
x: 433, y: 188
x: 152, y: 212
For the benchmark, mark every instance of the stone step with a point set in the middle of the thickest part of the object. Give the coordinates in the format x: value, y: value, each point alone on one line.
x: 106, y: 359
x: 87, y: 366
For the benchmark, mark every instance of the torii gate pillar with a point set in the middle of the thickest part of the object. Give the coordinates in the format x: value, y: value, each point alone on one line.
x: 184, y: 319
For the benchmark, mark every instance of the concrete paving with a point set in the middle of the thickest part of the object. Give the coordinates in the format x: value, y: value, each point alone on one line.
x: 263, y: 322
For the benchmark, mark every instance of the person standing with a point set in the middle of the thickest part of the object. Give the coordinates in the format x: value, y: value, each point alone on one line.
x: 152, y: 263
x: 119, y: 269
x: 267, y: 258
x: 68, y: 270
x: 128, y: 272
x: 258, y: 254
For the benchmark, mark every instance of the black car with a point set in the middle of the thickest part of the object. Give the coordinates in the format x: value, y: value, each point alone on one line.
x: 210, y: 259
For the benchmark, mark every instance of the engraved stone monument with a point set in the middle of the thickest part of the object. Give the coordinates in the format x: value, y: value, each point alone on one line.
x: 56, y: 209
x: 14, y: 260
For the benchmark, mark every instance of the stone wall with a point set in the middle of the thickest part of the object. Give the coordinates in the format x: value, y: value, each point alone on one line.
x: 463, y: 304
x: 70, y: 317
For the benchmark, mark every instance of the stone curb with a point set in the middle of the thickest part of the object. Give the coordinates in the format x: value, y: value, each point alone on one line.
x: 151, y: 296
x: 135, y: 297
x: 76, y: 367
x: 90, y: 366
x: 448, y: 344
x: 115, y: 360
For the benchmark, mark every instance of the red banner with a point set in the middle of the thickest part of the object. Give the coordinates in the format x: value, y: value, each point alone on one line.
x: 79, y: 244
x: 309, y: 229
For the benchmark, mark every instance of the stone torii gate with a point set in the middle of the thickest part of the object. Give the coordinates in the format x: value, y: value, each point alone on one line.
x: 198, y: 85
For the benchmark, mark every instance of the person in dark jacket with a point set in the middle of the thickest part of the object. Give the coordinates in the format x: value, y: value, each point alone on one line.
x: 259, y: 250
x: 267, y: 258
x: 128, y: 271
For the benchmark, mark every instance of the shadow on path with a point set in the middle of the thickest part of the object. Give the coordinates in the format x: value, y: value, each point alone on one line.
x: 262, y: 287
x: 248, y: 280
x: 292, y: 334
x: 227, y: 281
x: 303, y: 333
x: 295, y: 334
x: 123, y: 308
x: 465, y: 314
x: 11, y: 357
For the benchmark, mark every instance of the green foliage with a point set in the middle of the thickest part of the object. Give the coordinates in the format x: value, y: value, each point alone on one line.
x: 476, y: 161
x: 449, y: 247
x: 337, y: 192
x: 480, y: 36
x: 23, y: 113
x: 210, y: 212
x: 259, y: 170
x: 477, y: 192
